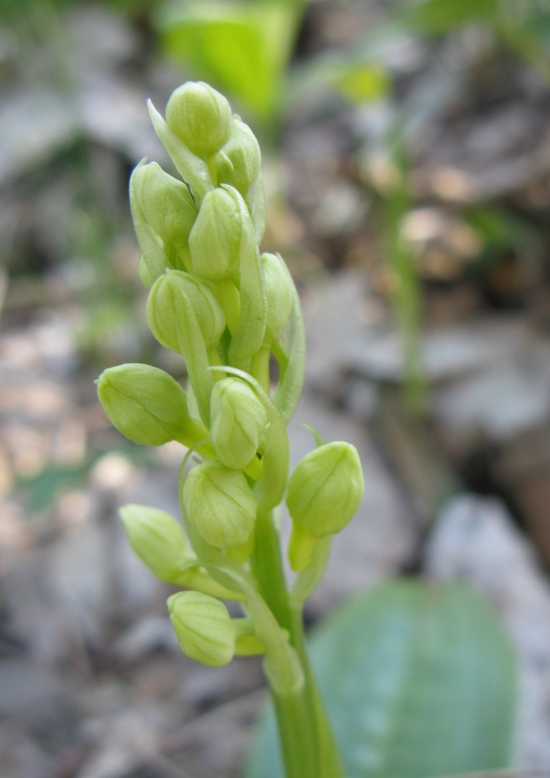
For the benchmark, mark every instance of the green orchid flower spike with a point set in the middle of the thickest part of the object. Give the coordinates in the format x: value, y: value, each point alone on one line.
x: 230, y: 311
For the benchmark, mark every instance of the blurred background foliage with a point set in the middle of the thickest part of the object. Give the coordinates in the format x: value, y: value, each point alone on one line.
x: 406, y: 145
x: 256, y: 51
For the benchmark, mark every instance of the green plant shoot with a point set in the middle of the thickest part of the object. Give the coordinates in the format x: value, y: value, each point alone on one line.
x: 228, y: 310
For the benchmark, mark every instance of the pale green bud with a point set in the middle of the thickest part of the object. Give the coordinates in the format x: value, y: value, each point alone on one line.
x: 238, y: 419
x: 200, y: 116
x: 220, y: 504
x: 239, y: 161
x: 166, y: 203
x: 158, y: 540
x: 325, y: 489
x: 162, y: 309
x: 146, y: 404
x: 203, y: 627
x: 216, y: 236
x: 279, y: 291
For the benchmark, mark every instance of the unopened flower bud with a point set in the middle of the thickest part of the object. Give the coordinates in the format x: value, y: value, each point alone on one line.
x: 238, y: 419
x: 216, y: 235
x: 203, y: 627
x: 200, y: 116
x: 325, y: 489
x: 239, y: 161
x: 158, y: 540
x: 220, y: 503
x: 280, y: 295
x: 165, y: 202
x: 162, y: 309
x: 146, y: 404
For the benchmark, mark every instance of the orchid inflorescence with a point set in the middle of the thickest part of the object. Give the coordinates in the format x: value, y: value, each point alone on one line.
x: 229, y: 310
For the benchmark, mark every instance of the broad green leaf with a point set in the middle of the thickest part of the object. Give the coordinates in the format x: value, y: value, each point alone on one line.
x: 419, y: 680
x: 242, y: 48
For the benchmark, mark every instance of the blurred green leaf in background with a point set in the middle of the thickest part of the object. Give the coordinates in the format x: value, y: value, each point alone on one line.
x: 419, y: 680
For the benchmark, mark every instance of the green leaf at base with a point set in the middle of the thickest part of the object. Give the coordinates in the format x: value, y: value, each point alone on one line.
x: 419, y: 680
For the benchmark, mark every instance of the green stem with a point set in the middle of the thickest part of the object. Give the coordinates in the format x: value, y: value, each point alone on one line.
x: 330, y: 765
x: 296, y: 735
x: 307, y: 742
x: 406, y: 292
x: 295, y: 714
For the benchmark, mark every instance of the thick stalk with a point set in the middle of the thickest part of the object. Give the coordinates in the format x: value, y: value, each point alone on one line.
x: 297, y: 734
x: 295, y: 714
x: 330, y: 765
x: 307, y: 742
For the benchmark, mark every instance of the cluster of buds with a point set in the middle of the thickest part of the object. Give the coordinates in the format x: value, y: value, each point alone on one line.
x: 227, y: 310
